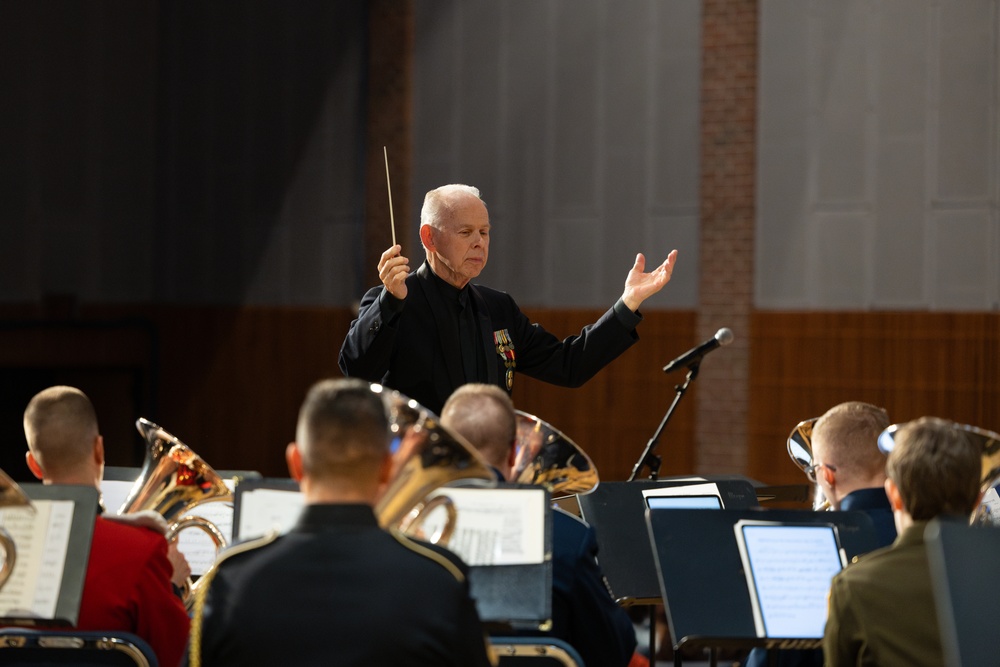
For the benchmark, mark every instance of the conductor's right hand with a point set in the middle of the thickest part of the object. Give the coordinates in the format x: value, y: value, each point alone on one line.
x: 392, y: 271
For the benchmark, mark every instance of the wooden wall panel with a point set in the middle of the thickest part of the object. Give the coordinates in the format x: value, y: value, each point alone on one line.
x: 913, y: 364
x: 229, y: 381
x: 615, y: 414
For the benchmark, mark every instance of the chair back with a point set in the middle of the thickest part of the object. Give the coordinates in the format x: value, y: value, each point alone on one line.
x: 30, y: 646
x: 534, y: 652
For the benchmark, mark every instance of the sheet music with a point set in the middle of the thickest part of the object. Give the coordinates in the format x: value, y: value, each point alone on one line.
x: 198, y: 548
x: 113, y: 494
x: 495, y: 526
x: 789, y: 569
x: 42, y: 539
x: 264, y: 510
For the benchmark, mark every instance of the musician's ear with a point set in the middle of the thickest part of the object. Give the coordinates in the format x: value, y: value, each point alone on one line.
x: 829, y: 475
x: 293, y: 457
x: 36, y: 469
x: 895, y: 498
x: 427, y: 237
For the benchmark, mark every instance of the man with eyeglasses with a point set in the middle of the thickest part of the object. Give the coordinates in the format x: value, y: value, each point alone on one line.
x: 428, y: 332
x: 849, y: 470
x: 848, y: 466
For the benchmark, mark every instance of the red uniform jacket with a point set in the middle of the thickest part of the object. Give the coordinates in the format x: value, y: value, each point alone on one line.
x: 128, y: 588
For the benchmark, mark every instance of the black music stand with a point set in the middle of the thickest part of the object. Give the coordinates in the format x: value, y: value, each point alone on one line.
x: 517, y: 596
x: 69, y: 589
x: 701, y: 575
x: 966, y: 585
x: 617, y: 511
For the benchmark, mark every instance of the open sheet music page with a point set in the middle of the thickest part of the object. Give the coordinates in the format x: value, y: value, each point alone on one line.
x: 263, y: 510
x: 198, y: 548
x: 789, y: 568
x: 42, y: 540
x: 495, y: 526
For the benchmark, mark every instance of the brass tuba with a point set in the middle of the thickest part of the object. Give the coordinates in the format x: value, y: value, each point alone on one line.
x: 426, y: 456
x: 173, y: 481
x: 11, y: 495
x: 545, y: 456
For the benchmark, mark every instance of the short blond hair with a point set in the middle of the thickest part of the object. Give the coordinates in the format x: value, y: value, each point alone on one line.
x: 849, y: 432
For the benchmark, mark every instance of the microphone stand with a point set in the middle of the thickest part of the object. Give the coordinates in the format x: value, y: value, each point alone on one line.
x: 648, y: 458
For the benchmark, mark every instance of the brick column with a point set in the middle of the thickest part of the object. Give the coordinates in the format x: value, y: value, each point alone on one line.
x: 728, y: 142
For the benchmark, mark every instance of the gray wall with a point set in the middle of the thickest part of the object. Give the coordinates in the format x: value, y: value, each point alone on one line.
x: 578, y: 121
x: 211, y: 152
x: 879, y: 155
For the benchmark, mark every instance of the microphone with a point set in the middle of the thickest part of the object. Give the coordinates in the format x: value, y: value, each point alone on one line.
x: 722, y: 337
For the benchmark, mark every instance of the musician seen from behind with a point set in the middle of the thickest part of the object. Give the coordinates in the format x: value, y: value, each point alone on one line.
x: 882, y: 608
x: 338, y: 589
x: 848, y: 466
x: 132, y: 572
x: 428, y: 332
x: 584, y: 614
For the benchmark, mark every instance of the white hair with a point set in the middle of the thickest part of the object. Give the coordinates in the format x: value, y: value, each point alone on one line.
x: 439, y: 200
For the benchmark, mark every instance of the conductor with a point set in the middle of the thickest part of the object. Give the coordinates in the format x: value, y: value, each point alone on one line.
x: 428, y: 332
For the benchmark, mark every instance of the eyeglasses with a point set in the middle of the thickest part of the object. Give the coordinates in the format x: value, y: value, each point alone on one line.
x: 811, y: 470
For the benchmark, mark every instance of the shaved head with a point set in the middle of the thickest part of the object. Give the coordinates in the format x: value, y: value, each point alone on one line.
x: 60, y: 425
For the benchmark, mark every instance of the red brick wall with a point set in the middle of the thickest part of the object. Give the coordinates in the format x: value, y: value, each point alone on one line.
x: 728, y: 116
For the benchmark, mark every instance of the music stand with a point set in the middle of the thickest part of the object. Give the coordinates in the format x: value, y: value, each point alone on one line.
x: 966, y: 586
x: 52, y: 541
x: 518, y: 596
x: 701, y: 575
x: 617, y: 511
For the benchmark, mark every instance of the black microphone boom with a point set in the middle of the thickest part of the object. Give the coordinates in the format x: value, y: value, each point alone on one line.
x: 722, y: 337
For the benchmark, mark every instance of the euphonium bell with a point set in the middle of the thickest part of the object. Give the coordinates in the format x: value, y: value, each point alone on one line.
x: 800, y: 450
x: 11, y: 495
x: 545, y: 456
x: 426, y: 456
x: 173, y: 481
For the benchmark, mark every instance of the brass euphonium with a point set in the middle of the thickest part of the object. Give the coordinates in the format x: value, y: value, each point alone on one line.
x: 545, y: 456
x: 426, y: 457
x: 11, y: 495
x: 172, y: 482
x: 800, y: 450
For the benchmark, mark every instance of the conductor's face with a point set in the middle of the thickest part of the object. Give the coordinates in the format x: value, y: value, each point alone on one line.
x: 458, y: 245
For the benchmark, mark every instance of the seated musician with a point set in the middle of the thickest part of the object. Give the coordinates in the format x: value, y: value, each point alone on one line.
x: 131, y: 571
x: 338, y: 589
x: 849, y: 469
x: 882, y: 609
x: 583, y: 612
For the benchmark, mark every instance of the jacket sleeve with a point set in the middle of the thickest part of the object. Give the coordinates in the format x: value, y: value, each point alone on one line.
x: 842, y: 639
x: 574, y: 360
x: 607, y: 634
x: 367, y: 349
x: 161, y: 618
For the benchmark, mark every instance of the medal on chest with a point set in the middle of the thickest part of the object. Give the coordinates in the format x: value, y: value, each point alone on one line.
x: 505, y: 349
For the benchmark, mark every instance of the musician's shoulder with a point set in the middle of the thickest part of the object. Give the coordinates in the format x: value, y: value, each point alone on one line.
x: 439, y: 555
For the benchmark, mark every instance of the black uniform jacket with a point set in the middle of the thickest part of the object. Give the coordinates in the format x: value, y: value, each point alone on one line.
x: 413, y: 346
x: 339, y: 590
